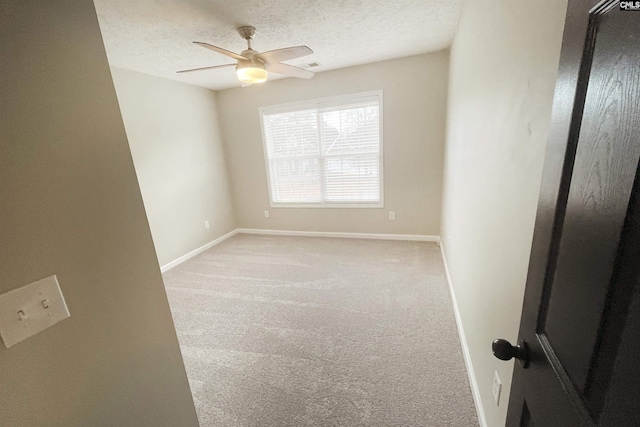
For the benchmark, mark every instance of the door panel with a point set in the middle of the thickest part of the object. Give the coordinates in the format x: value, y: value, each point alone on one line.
x: 603, y: 173
x: 583, y: 286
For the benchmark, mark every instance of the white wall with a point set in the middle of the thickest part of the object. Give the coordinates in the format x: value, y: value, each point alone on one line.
x: 179, y: 158
x: 415, y: 91
x: 70, y: 205
x: 503, y: 68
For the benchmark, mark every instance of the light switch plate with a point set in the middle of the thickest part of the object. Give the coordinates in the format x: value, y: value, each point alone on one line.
x: 30, y: 309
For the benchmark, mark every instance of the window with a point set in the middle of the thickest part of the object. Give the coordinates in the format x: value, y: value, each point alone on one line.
x: 325, y: 153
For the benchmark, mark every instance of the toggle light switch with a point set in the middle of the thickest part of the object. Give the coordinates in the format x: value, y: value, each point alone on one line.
x: 30, y: 309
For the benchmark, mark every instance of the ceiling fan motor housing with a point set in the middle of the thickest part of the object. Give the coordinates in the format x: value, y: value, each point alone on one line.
x: 249, y: 54
x: 251, y: 61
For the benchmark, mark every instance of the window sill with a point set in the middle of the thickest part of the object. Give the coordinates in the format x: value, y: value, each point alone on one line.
x: 377, y: 205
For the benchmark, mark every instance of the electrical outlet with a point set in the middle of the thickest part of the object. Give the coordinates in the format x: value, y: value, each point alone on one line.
x: 266, y: 214
x: 206, y: 224
x: 497, y: 387
x: 392, y: 215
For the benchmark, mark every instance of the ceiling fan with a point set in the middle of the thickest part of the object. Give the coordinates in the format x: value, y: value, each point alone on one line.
x: 252, y: 66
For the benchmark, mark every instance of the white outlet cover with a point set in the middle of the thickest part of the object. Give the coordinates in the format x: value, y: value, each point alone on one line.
x: 30, y: 309
x: 497, y: 387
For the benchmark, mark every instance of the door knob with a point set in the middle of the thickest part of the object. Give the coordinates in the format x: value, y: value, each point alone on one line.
x: 503, y: 350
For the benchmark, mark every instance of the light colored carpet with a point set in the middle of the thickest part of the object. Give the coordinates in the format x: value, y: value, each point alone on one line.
x: 304, y: 331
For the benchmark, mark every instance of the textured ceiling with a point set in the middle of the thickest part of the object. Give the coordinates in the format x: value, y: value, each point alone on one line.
x: 154, y: 36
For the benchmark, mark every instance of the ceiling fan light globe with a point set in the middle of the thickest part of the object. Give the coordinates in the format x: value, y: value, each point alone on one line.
x: 251, y: 75
x: 251, y: 71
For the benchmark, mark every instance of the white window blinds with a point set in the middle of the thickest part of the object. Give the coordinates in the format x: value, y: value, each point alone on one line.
x: 325, y: 152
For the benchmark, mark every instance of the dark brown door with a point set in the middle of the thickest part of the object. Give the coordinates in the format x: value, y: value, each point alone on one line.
x: 581, y: 314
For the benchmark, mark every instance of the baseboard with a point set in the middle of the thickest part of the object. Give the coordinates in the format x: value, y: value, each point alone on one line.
x: 475, y: 390
x: 197, y: 251
x: 408, y: 237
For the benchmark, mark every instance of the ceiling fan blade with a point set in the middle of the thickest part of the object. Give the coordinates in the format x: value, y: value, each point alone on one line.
x: 206, y: 68
x: 284, y: 54
x: 220, y: 50
x: 289, y: 70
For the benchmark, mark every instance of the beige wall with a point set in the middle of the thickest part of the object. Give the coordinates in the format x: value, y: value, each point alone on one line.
x: 70, y: 205
x: 415, y: 91
x: 177, y: 151
x: 503, y: 68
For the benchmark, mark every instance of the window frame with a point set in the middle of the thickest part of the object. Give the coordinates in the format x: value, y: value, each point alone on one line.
x: 315, y: 104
